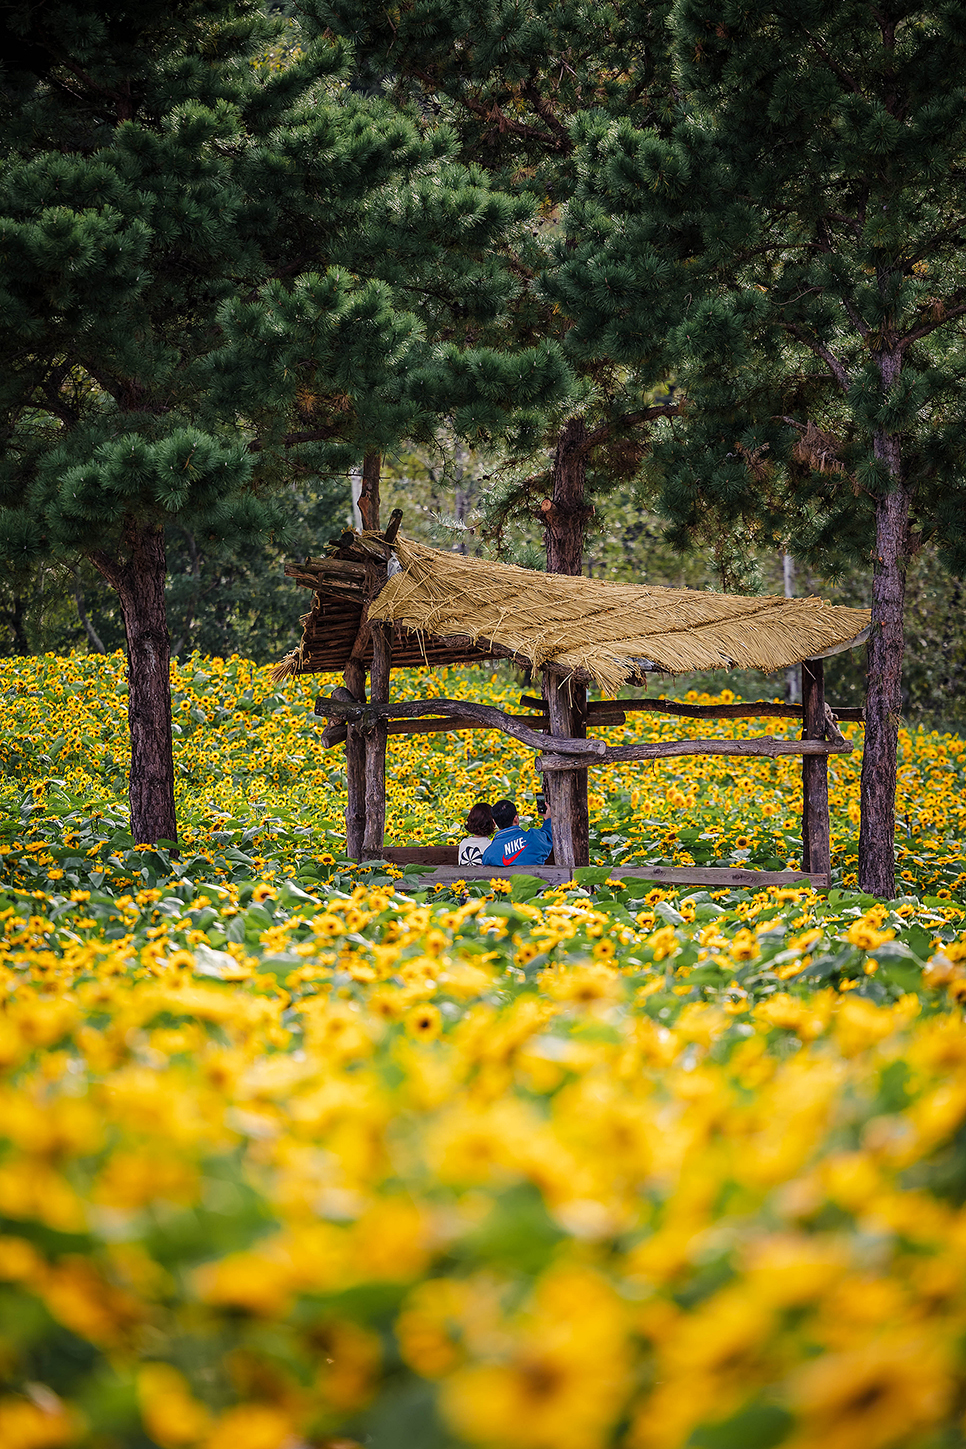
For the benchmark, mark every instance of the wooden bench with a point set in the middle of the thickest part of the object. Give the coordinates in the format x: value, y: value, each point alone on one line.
x: 428, y: 855
x: 445, y: 872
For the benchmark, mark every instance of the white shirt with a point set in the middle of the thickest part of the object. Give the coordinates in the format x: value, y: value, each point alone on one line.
x: 471, y: 850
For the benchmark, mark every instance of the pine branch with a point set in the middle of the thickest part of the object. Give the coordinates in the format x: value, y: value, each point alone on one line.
x: 924, y: 328
x: 847, y: 80
x: 545, y: 112
x: 292, y: 440
x: 89, y: 629
x: 852, y: 312
x: 494, y: 114
x: 835, y: 367
x: 647, y: 415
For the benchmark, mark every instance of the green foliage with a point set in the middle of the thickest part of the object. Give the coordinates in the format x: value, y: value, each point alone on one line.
x: 785, y: 234
x: 237, y: 247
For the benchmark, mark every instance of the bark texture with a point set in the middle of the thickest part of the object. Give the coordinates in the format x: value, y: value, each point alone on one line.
x: 355, y: 766
x: 376, y: 742
x: 369, y: 495
x: 877, y: 871
x: 816, y: 839
x: 565, y: 518
x: 139, y: 580
x: 565, y: 514
x: 566, y: 790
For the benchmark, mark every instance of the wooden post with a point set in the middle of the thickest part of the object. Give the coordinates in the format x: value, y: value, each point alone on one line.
x: 355, y: 766
x: 578, y: 696
x: 376, y: 742
x: 566, y: 790
x: 816, y: 836
x: 564, y: 517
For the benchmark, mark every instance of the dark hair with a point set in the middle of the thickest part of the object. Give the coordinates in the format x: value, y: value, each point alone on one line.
x: 480, y: 819
x: 504, y: 813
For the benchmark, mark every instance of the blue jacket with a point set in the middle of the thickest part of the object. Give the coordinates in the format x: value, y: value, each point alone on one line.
x: 516, y: 846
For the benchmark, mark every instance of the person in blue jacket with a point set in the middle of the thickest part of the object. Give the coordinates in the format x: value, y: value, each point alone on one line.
x: 511, y: 845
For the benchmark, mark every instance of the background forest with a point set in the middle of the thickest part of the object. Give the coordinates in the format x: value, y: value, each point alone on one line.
x: 223, y: 602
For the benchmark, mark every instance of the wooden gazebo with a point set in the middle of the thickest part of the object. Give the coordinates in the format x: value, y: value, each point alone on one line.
x: 382, y: 601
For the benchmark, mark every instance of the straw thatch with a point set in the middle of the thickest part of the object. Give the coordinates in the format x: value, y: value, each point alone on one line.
x: 609, y: 633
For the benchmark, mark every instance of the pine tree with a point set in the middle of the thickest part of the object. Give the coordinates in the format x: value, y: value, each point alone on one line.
x: 516, y: 81
x: 806, y: 222
x: 224, y: 269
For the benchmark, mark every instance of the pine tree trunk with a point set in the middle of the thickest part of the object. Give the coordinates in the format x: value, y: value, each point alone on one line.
x: 877, y: 873
x: 139, y: 582
x: 369, y: 494
x: 16, y: 616
x: 791, y: 675
x: 565, y: 514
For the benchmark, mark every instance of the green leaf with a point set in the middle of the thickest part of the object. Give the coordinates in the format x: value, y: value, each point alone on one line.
x: 591, y: 875
x: 525, y: 887
x: 760, y: 1426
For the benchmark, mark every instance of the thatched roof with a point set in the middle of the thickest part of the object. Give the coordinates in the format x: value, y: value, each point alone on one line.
x: 605, y: 632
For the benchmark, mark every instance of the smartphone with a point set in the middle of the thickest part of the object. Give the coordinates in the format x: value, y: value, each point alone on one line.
x: 541, y: 805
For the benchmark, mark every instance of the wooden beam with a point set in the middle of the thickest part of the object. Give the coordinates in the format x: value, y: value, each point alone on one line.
x: 713, y: 877
x: 334, y: 734
x: 355, y: 766
x: 453, y: 725
x: 328, y: 563
x: 816, y: 831
x: 766, y: 746
x: 374, y: 580
x: 375, y: 734
x: 430, y: 855
x: 563, y: 790
x: 488, y: 716
x: 598, y: 715
x: 752, y: 709
x: 598, y: 712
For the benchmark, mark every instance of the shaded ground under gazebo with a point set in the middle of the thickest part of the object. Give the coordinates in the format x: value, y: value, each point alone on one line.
x: 382, y: 601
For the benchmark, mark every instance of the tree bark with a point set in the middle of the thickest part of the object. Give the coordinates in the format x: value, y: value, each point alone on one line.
x: 376, y: 742
x: 791, y: 675
x: 355, y: 766
x: 565, y: 518
x: 488, y: 717
x: 565, y: 514
x: 761, y: 746
x: 567, y: 790
x: 369, y: 494
x: 16, y: 616
x: 139, y: 581
x: 877, y: 872
x: 816, y: 834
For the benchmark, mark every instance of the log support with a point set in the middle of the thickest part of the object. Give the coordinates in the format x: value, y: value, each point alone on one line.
x: 712, y: 877
x: 764, y: 747
x: 375, y: 736
x: 612, y: 711
x: 485, y: 716
x: 567, y: 791
x: 816, y: 833
x: 355, y: 765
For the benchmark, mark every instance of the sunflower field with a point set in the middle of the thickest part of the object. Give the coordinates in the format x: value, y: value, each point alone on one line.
x: 292, y: 1157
